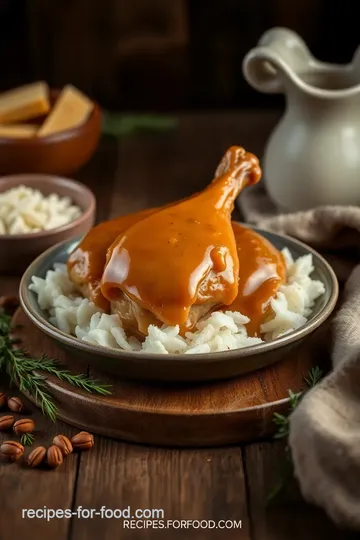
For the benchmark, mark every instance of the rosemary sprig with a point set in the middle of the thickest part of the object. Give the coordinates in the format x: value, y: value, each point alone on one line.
x: 27, y: 439
x: 49, y: 365
x: 25, y: 370
x: 314, y: 377
x: 282, y: 422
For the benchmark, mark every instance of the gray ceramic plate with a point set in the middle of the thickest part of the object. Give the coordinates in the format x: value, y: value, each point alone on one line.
x: 189, y: 367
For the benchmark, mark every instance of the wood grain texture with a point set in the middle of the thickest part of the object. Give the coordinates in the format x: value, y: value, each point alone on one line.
x: 207, y: 414
x: 128, y: 175
x: 186, y: 485
x: 113, y: 50
x: 36, y: 488
x: 21, y: 487
x: 24, y: 488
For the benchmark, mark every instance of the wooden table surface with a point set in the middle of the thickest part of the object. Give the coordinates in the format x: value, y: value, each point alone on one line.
x: 229, y: 483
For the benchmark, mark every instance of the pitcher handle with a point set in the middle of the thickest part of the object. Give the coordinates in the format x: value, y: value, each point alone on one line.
x: 280, y: 54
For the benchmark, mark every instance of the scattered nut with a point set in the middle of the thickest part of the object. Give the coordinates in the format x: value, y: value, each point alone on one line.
x: 54, y: 456
x: 15, y: 404
x: 9, y: 304
x: 24, y: 425
x: 82, y: 441
x: 6, y: 422
x: 3, y: 400
x: 62, y: 442
x: 37, y: 456
x: 12, y: 450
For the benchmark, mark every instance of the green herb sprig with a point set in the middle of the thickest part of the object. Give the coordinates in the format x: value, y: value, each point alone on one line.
x: 27, y: 439
x: 119, y: 125
x: 28, y: 372
x: 282, y: 422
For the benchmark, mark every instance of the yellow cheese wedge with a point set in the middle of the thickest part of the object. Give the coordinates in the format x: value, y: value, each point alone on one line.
x: 71, y: 109
x: 18, y: 131
x: 24, y: 102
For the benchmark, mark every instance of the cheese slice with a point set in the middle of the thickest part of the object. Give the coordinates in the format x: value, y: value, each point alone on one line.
x: 18, y: 131
x: 24, y: 102
x: 71, y: 109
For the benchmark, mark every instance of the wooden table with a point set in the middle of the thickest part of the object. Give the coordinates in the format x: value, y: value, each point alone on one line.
x: 219, y: 484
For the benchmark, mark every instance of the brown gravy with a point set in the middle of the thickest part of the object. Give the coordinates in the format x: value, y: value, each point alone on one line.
x: 170, y: 259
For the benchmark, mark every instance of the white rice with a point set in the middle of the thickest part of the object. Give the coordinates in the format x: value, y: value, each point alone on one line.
x: 219, y: 331
x: 26, y: 210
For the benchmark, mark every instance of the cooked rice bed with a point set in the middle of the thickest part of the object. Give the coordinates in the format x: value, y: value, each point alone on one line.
x: 220, y: 331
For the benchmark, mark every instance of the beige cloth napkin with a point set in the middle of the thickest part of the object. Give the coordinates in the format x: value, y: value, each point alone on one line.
x: 325, y: 428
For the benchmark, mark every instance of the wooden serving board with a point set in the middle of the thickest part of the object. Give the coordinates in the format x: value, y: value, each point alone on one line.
x: 211, y: 414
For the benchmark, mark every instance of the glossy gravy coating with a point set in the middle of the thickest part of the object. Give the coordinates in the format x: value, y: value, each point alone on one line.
x: 261, y: 272
x: 261, y: 267
x: 86, y: 263
x: 171, y: 264
x: 185, y: 254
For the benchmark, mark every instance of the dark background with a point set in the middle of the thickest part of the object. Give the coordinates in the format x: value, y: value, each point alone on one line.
x: 161, y: 54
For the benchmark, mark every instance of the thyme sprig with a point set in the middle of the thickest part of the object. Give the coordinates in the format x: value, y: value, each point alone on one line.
x: 28, y: 372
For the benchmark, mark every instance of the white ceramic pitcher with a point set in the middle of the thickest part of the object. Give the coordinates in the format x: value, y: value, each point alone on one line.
x: 313, y: 155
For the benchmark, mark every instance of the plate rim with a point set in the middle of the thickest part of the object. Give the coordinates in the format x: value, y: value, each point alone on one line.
x: 206, y: 358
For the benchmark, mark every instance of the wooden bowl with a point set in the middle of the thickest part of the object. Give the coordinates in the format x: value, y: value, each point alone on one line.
x: 62, y: 153
x: 18, y: 250
x: 182, y: 367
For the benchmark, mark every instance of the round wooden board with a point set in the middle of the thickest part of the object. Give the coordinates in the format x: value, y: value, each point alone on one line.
x: 211, y: 414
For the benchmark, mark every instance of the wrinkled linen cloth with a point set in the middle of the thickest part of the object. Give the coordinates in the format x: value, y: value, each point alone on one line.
x: 325, y: 427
